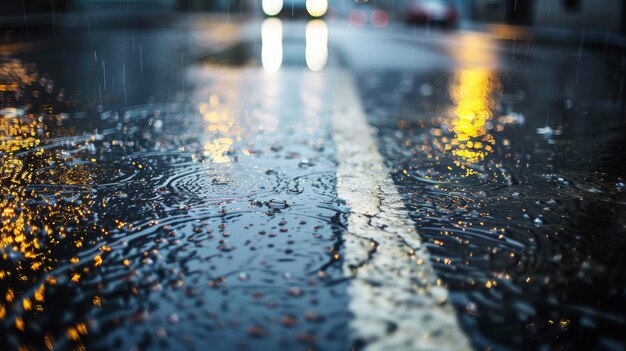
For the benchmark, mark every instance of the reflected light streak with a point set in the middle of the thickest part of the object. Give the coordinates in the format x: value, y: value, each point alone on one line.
x: 221, y: 128
x: 222, y: 125
x: 316, y: 45
x: 272, y: 44
x: 472, y: 92
x: 474, y: 50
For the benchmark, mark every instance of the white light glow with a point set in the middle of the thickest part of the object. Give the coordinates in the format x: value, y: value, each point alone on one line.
x: 272, y: 7
x: 317, y: 8
x: 272, y: 44
x: 316, y: 45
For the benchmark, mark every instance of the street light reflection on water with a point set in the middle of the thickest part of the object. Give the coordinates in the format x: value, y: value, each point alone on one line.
x: 221, y: 127
x: 272, y: 44
x: 466, y: 131
x: 316, y: 45
x: 272, y: 51
x: 472, y: 91
x: 45, y: 201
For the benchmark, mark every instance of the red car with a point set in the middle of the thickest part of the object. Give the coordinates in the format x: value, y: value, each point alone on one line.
x: 432, y: 12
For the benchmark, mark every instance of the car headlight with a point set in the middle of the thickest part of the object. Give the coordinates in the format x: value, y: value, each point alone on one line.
x: 272, y: 7
x: 317, y: 8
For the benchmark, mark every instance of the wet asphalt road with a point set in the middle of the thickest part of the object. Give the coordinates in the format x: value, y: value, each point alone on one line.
x: 175, y: 186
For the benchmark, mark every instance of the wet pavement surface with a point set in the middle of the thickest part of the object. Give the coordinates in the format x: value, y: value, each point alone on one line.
x: 175, y: 187
x: 526, y: 228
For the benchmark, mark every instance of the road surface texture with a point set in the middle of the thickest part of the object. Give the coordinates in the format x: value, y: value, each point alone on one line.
x: 288, y: 184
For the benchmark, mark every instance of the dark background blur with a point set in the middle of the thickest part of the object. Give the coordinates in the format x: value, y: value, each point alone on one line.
x: 607, y: 16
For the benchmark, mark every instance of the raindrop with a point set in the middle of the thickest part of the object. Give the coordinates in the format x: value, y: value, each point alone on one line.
x: 173, y: 318
x: 289, y: 321
x: 257, y: 331
x: 304, y: 163
x: 225, y: 247
x: 160, y: 332
x: 219, y: 181
x: 471, y: 309
x: 313, y: 317
x: 294, y: 291
x: 562, y: 181
x: 158, y: 124
x: 120, y: 194
x: 277, y: 204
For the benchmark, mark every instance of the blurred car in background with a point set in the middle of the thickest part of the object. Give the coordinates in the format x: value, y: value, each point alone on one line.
x: 360, y: 14
x: 295, y: 8
x: 442, y: 12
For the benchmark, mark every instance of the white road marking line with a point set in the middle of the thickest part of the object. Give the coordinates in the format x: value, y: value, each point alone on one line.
x: 396, y: 298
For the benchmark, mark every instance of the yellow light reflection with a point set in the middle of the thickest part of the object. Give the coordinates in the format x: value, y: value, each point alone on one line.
x: 25, y: 229
x: 272, y: 44
x: 317, y: 8
x: 217, y: 149
x: 44, y: 203
x: 475, y: 50
x: 222, y: 129
x: 316, y: 45
x: 472, y: 92
x: 465, y: 132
